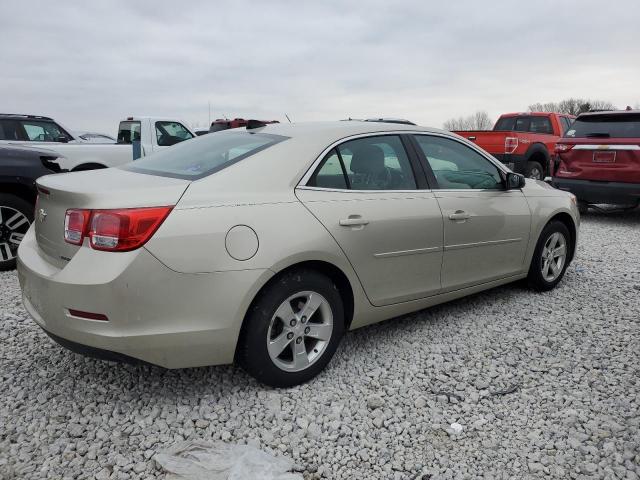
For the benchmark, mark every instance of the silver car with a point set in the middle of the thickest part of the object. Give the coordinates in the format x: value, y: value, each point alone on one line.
x: 263, y: 246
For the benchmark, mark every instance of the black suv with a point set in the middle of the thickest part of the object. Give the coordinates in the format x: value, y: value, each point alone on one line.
x: 20, y: 166
x: 31, y: 128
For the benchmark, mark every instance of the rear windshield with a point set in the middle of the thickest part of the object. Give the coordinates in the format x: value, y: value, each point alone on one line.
x: 128, y: 132
x: 606, y: 126
x: 204, y: 155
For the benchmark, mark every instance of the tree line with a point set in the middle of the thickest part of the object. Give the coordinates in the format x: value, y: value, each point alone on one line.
x: 481, y: 120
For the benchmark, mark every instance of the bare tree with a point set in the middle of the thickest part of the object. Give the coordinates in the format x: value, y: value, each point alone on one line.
x: 477, y: 121
x: 572, y: 106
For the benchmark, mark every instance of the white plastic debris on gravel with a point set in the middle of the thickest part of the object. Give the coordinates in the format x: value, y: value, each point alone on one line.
x: 505, y: 384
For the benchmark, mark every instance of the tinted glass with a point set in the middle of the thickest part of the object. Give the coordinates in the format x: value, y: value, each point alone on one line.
x: 204, y: 155
x: 606, y: 126
x: 216, y: 127
x: 43, y: 131
x: 540, y: 125
x: 505, y: 123
x: 9, y: 130
x: 128, y: 132
x: 522, y: 124
x: 566, y: 124
x: 457, y: 166
x: 330, y: 173
x: 377, y: 163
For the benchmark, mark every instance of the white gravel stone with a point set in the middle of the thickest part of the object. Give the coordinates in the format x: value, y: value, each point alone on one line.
x: 383, y: 406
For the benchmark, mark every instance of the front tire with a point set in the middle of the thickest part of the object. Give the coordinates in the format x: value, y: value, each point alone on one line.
x: 292, y: 330
x: 551, y: 257
x: 16, y: 216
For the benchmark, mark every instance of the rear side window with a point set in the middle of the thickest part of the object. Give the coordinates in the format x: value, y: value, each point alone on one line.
x: 128, y: 132
x: 565, y: 124
x: 606, y: 126
x: 204, y: 155
x: 9, y: 130
x: 505, y: 123
x: 369, y: 163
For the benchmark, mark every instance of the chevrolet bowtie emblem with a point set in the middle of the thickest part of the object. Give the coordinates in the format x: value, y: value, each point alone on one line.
x: 42, y: 215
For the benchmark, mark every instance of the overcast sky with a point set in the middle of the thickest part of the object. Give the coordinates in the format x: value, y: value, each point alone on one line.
x: 89, y: 64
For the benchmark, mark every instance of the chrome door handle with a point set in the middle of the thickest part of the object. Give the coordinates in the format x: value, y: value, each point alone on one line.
x: 353, y: 221
x: 459, y: 215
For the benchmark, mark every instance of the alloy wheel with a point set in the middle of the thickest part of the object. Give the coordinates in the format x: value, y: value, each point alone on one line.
x: 300, y: 331
x: 554, y: 256
x: 13, y: 226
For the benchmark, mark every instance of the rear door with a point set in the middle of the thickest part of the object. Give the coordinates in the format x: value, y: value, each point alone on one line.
x: 372, y: 198
x: 486, y: 228
x: 606, y: 147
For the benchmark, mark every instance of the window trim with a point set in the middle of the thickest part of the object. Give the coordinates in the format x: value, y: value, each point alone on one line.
x: 417, y: 170
x: 502, y: 169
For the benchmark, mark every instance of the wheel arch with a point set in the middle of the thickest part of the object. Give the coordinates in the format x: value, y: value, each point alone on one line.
x: 19, y: 190
x: 538, y: 152
x: 567, y: 220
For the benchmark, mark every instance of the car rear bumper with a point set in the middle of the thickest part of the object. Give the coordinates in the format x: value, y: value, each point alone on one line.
x: 591, y: 191
x: 517, y: 163
x: 155, y: 314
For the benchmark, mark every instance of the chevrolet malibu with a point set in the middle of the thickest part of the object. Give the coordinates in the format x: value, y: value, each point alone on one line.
x: 264, y: 245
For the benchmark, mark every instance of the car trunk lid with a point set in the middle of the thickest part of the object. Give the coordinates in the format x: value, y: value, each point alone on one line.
x: 98, y: 189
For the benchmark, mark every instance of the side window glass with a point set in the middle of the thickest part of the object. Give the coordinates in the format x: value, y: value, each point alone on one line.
x: 330, y: 174
x: 567, y: 123
x: 540, y: 125
x: 457, y: 166
x: 522, y: 124
x: 377, y: 163
x: 42, y: 131
x: 9, y: 130
x: 170, y: 133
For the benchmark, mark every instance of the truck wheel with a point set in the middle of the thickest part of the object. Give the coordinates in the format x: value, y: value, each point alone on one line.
x: 16, y: 216
x: 534, y: 170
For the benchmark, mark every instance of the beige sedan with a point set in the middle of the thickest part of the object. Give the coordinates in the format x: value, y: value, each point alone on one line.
x: 263, y: 246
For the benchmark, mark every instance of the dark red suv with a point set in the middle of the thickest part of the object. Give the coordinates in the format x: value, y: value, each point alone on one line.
x: 598, y: 159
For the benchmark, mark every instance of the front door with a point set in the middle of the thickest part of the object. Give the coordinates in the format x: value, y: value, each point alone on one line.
x: 486, y: 228
x: 365, y: 193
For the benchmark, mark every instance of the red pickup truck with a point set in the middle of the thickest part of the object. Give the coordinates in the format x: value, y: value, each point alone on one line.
x: 525, y: 142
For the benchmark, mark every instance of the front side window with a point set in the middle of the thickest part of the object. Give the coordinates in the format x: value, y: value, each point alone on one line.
x: 457, y: 166
x: 205, y: 155
x: 43, y: 131
x: 540, y: 125
x: 369, y: 163
x: 170, y: 133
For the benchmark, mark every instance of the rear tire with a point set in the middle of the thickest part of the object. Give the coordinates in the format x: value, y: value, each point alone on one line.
x: 550, y: 261
x: 16, y: 215
x: 279, y: 345
x: 534, y: 171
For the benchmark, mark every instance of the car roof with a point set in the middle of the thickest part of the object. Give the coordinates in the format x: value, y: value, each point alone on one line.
x: 22, y: 116
x: 335, y: 130
x: 609, y: 113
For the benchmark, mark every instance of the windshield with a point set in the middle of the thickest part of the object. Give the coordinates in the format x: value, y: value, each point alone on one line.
x: 606, y: 126
x: 204, y: 155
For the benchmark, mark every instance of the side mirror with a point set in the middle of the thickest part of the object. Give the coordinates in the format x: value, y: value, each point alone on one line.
x: 62, y: 139
x: 514, y: 181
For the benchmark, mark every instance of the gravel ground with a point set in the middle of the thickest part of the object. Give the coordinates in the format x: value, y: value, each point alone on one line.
x: 535, y: 386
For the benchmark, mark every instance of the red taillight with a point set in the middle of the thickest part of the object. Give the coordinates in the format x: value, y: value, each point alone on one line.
x: 563, y: 147
x: 122, y: 230
x: 114, y: 230
x: 75, y: 226
x: 510, y: 144
x: 88, y: 315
